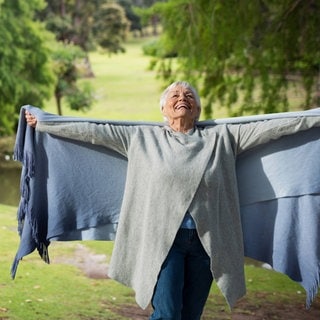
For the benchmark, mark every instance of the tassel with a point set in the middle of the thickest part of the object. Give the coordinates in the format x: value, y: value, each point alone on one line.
x: 14, y: 267
x: 312, y: 292
x: 44, y: 253
x: 29, y: 163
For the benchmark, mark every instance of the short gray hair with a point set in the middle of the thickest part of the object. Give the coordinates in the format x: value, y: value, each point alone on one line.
x: 164, y: 95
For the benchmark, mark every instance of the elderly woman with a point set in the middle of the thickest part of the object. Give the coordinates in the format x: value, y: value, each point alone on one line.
x: 179, y: 225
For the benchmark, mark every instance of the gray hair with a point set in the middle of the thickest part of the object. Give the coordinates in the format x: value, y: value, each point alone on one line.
x: 164, y: 95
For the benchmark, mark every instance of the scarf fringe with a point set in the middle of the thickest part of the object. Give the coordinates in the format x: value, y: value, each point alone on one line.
x: 313, y: 291
x: 24, y: 153
x: 28, y: 173
x: 29, y: 163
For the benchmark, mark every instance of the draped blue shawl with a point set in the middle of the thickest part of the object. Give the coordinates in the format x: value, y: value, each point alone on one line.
x: 73, y: 191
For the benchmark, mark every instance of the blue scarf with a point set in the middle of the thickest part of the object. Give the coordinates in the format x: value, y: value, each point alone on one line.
x: 73, y: 191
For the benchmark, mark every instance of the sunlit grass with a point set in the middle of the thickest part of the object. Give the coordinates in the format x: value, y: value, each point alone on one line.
x: 62, y: 291
x: 55, y: 291
x: 124, y: 87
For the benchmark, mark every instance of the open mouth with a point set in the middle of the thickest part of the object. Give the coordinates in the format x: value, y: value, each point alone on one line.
x: 182, y: 106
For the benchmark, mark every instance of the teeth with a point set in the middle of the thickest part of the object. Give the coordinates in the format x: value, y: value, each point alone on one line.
x: 182, y: 106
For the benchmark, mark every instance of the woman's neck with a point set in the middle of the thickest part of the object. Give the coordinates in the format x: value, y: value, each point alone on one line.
x: 181, y: 125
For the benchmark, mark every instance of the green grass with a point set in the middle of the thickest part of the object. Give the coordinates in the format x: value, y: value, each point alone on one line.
x: 125, y: 89
x: 55, y: 291
x: 60, y: 291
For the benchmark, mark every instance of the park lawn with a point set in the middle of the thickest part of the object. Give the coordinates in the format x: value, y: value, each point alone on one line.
x: 61, y: 291
x: 54, y: 291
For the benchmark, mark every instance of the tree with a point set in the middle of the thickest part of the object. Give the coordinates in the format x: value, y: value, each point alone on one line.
x: 135, y: 23
x: 245, y: 55
x: 25, y: 70
x: 78, y: 21
x: 81, y: 25
x: 147, y: 17
x: 70, y: 21
x: 111, y: 27
x: 67, y: 60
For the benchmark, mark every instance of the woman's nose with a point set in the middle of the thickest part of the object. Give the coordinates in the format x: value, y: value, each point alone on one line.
x: 182, y: 96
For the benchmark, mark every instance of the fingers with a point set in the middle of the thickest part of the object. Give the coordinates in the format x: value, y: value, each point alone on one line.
x: 31, y: 119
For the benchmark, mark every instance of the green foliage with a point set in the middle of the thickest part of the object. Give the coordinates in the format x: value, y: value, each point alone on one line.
x: 71, y: 21
x: 87, y: 23
x: 25, y: 73
x: 81, y: 97
x: 158, y: 48
x: 135, y: 23
x: 144, y: 14
x: 111, y: 27
x: 244, y: 55
x: 61, y: 27
x: 148, y: 16
x: 67, y: 62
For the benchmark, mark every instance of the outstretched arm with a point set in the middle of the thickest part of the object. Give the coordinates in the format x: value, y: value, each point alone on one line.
x: 115, y: 137
x: 256, y: 133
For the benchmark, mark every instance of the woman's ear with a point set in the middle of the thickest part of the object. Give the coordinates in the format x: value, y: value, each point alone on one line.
x: 163, y: 111
x: 164, y: 115
x: 199, y: 112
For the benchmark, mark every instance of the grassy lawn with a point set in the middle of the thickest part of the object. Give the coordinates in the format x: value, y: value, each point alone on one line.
x: 55, y: 291
x: 62, y: 291
x: 125, y: 89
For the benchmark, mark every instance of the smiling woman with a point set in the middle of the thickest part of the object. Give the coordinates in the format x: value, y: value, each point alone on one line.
x: 180, y: 106
x: 179, y: 224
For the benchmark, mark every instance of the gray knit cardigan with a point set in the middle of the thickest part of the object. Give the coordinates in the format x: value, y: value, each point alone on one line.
x: 169, y: 173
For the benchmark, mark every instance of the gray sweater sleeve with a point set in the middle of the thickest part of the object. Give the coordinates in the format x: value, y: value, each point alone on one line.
x: 252, y: 134
x: 114, y: 137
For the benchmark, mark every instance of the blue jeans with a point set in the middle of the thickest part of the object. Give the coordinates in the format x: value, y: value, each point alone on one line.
x: 184, y: 281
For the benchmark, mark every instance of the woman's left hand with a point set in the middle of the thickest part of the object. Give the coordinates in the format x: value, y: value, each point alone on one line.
x: 31, y: 119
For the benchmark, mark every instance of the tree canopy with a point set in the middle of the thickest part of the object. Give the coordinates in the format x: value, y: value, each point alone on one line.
x: 25, y: 71
x: 84, y: 23
x: 245, y: 55
x: 33, y: 66
x: 67, y: 60
x: 80, y: 25
x: 111, y: 27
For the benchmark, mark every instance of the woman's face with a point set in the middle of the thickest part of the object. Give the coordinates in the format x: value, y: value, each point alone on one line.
x: 181, y: 103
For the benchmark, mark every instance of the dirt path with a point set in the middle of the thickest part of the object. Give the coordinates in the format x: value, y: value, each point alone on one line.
x: 95, y: 266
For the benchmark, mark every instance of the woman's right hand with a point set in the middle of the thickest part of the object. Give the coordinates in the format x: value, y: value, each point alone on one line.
x: 31, y: 119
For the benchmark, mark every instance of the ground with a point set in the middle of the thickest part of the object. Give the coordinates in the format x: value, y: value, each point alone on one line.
x: 95, y: 265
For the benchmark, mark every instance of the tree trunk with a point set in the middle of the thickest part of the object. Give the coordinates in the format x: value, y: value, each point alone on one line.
x: 58, y: 102
x: 62, y: 9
